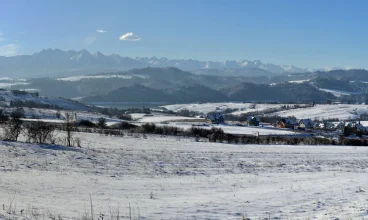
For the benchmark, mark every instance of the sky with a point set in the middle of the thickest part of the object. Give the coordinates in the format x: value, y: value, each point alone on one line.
x: 308, y: 34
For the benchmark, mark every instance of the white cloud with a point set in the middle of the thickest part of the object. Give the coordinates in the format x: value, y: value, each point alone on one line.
x: 129, y: 36
x: 9, y: 50
x: 90, y: 40
x: 101, y: 31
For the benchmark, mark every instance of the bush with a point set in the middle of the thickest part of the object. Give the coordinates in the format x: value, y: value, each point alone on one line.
x: 12, y: 129
x: 86, y: 123
x: 40, y: 132
x: 101, y: 122
x: 127, y: 126
x: 18, y: 113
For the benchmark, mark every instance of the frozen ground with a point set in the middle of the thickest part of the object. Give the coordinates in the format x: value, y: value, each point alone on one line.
x: 342, y: 112
x: 176, y: 178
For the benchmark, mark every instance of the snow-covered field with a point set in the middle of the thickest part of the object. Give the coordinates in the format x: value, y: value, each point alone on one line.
x: 8, y: 96
x: 232, y: 129
x: 341, y: 111
x: 338, y: 93
x: 210, y: 107
x: 50, y: 115
x: 299, y: 81
x: 178, y: 178
x: 165, y: 118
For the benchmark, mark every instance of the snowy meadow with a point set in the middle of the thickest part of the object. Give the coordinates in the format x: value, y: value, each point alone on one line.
x: 160, y: 177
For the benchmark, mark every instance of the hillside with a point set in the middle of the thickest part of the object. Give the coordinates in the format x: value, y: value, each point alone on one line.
x: 155, y: 78
x: 7, y: 97
x: 284, y: 92
x: 135, y: 93
x: 196, y: 93
x: 313, y: 86
x: 287, y: 92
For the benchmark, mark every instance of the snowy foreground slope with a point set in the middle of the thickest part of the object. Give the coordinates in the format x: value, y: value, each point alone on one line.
x: 174, y: 178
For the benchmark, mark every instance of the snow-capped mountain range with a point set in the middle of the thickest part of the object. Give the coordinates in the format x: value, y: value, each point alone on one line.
x: 56, y: 62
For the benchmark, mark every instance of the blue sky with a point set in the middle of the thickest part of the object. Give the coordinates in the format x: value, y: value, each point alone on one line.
x: 308, y: 34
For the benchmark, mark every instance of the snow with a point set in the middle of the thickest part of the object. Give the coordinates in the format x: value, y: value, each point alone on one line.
x: 341, y: 111
x: 49, y: 115
x: 8, y: 96
x: 6, y: 85
x: 338, y: 93
x: 299, y: 81
x: 210, y: 107
x: 178, y: 178
x: 164, y: 118
x: 232, y: 129
x: 136, y: 116
x: 364, y: 123
x: 78, y: 78
x: 59, y: 121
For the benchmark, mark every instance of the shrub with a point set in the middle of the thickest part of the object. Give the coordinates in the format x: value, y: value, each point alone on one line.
x: 12, y: 129
x: 18, y: 113
x: 86, y: 123
x: 101, y: 122
x: 39, y: 132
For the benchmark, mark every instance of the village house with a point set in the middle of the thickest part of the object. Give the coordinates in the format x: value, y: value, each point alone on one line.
x: 253, y: 121
x: 306, y: 124
x: 287, y: 123
x: 357, y: 127
x: 215, y: 118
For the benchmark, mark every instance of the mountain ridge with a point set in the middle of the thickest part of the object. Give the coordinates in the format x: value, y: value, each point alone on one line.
x: 57, y: 62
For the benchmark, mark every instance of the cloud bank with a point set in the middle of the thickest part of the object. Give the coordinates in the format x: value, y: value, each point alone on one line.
x: 9, y: 50
x: 130, y: 36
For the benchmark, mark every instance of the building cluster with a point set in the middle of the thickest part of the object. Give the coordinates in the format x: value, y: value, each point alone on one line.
x: 353, y: 127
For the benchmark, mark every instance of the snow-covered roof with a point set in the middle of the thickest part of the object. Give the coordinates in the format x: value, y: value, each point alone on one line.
x: 306, y: 121
x: 249, y: 118
x: 215, y: 116
x: 289, y: 121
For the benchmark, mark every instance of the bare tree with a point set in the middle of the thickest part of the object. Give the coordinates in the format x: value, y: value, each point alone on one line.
x: 40, y: 132
x: 13, y: 129
x: 101, y: 122
x: 58, y: 114
x: 69, y: 128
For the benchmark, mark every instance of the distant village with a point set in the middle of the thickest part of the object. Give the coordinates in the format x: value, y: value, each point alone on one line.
x: 348, y: 128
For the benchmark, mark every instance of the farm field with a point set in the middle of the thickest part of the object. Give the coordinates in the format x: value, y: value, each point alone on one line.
x: 232, y: 129
x: 210, y: 107
x: 341, y: 111
x: 178, y: 178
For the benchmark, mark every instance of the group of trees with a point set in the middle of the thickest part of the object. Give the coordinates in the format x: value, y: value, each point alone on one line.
x: 32, y: 104
x: 37, y: 131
